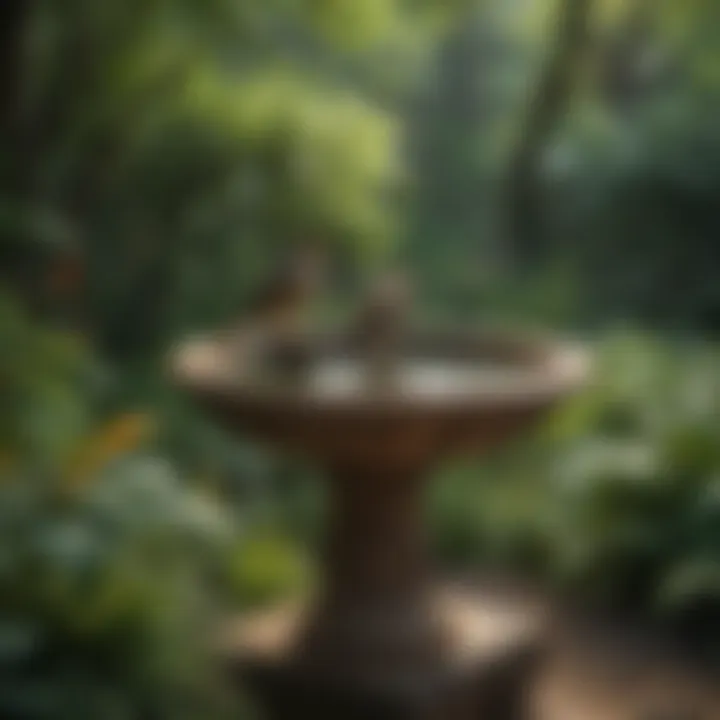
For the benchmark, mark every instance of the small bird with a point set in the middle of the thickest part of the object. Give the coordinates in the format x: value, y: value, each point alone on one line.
x: 385, y: 311
x: 269, y: 334
x: 380, y: 325
x: 281, y: 302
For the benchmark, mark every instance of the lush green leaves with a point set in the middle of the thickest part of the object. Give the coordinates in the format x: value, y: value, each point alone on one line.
x: 617, y: 498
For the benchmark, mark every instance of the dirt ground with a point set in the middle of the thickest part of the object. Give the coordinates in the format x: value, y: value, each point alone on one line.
x: 588, y: 669
x: 600, y: 671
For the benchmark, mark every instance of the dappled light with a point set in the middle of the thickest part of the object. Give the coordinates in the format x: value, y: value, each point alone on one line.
x: 358, y: 359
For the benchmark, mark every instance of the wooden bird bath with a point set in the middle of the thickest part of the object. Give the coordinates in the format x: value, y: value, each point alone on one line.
x: 381, y: 630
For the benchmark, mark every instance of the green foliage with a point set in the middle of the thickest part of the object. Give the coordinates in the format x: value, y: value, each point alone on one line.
x: 41, y: 374
x: 335, y: 152
x: 179, y: 147
x: 268, y: 567
x: 627, y: 178
x: 107, y: 559
x: 106, y: 607
x: 642, y: 476
x: 617, y: 498
x: 182, y: 158
x: 175, y: 149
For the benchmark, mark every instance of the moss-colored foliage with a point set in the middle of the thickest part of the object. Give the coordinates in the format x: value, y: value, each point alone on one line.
x: 182, y: 157
x: 105, y: 554
x: 268, y: 567
x: 161, y: 156
x: 158, y: 159
x: 617, y: 498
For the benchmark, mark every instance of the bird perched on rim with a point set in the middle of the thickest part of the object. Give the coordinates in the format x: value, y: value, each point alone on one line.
x: 386, y: 308
x: 281, y: 302
x: 379, y: 327
x: 269, y: 334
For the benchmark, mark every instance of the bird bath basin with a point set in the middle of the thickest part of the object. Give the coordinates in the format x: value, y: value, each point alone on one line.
x: 379, y: 615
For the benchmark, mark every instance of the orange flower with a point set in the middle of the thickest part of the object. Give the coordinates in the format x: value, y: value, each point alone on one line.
x: 121, y: 436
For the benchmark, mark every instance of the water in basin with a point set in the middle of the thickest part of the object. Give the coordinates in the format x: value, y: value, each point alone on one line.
x: 422, y: 378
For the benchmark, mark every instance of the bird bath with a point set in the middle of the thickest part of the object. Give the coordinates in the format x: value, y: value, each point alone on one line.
x: 379, y: 618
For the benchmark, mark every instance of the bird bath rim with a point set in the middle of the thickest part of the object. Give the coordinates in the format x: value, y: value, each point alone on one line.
x: 376, y: 614
x: 551, y: 371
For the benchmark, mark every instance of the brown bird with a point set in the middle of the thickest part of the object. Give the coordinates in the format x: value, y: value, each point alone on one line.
x: 269, y: 334
x: 282, y: 300
x: 381, y: 323
x: 386, y: 308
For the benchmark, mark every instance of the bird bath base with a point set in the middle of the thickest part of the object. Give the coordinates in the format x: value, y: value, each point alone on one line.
x: 484, y: 676
x: 380, y: 640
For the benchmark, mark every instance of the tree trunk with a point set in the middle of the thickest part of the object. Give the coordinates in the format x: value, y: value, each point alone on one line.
x: 14, y: 15
x: 526, y: 221
x: 15, y: 266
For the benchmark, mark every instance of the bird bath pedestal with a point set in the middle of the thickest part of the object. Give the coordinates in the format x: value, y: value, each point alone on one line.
x: 381, y: 639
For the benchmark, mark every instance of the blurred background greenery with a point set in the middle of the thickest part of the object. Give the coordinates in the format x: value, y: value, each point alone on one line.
x: 535, y: 162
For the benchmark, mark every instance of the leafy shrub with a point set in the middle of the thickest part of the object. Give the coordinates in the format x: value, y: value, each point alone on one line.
x: 618, y: 497
x: 105, y: 595
x: 267, y: 567
x: 107, y: 559
x: 637, y: 478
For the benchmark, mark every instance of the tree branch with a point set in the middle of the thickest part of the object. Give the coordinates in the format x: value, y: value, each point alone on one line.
x: 548, y: 105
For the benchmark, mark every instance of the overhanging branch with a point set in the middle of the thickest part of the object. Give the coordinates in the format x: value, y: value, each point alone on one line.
x: 548, y: 104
